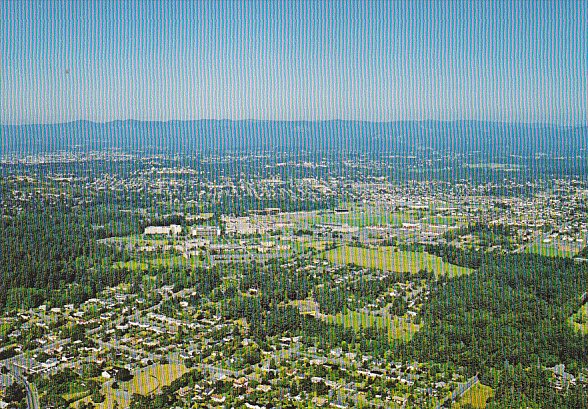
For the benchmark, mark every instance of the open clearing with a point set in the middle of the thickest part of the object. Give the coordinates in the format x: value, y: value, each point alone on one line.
x: 392, y: 259
x: 72, y: 397
x: 476, y: 396
x: 145, y: 381
x: 396, y: 327
x: 554, y: 249
x: 145, y: 263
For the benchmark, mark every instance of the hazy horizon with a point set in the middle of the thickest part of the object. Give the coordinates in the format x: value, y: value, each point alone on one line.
x: 104, y: 61
x: 449, y: 121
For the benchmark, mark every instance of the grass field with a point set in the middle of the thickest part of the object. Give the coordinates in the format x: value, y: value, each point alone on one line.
x: 75, y: 396
x: 394, y: 326
x: 369, y: 217
x: 151, y: 379
x: 443, y: 220
x: 143, y: 264
x: 304, y: 243
x: 145, y: 381
x: 132, y: 265
x: 392, y: 259
x: 553, y: 249
x: 476, y: 396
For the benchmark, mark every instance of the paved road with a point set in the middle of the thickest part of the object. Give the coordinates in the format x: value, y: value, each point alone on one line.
x: 32, y: 395
x: 20, y: 360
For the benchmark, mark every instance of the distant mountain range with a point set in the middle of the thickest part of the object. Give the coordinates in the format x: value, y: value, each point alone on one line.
x: 486, y: 139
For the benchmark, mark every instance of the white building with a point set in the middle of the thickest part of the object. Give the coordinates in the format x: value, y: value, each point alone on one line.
x: 173, y: 229
x: 205, y: 231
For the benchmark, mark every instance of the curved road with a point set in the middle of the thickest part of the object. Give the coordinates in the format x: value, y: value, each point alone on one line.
x: 32, y: 395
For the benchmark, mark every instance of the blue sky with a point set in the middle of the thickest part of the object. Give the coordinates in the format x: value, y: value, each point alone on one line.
x: 388, y: 61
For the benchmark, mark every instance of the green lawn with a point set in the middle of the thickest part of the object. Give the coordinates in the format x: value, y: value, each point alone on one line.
x: 443, y: 220
x: 305, y: 243
x: 151, y: 379
x: 132, y: 265
x: 392, y: 259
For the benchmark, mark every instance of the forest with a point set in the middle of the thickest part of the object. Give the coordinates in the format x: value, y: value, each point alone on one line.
x: 50, y: 255
x: 505, y: 319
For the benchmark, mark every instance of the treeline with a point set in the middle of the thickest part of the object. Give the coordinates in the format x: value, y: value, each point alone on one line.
x: 488, y: 235
x: 459, y: 257
x: 199, y: 279
x: 282, y: 320
x: 62, y: 383
x: 365, y: 289
x: 274, y: 283
x: 286, y: 320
